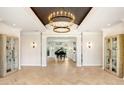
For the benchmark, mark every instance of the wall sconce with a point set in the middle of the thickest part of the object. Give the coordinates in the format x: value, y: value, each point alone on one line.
x: 89, y: 44
x: 33, y: 44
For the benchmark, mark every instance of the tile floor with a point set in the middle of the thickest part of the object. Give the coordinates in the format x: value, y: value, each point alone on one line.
x: 61, y: 73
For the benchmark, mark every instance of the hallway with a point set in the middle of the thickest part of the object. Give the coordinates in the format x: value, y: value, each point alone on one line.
x: 61, y: 73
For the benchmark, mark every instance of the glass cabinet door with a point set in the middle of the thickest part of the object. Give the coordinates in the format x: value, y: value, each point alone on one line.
x: 8, y: 55
x: 11, y: 54
x: 107, y: 53
x: 14, y: 54
x: 114, y: 54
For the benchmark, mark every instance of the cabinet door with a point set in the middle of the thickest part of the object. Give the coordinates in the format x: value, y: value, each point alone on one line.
x: 2, y: 54
x: 15, y: 53
x: 12, y: 54
x: 8, y: 55
x: 108, y: 53
x: 114, y: 54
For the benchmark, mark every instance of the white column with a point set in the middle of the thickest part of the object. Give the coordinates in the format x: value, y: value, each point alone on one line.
x: 44, y: 51
x: 78, y: 52
x: 19, y: 46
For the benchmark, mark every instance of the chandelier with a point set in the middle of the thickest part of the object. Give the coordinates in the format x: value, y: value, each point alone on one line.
x: 61, y: 21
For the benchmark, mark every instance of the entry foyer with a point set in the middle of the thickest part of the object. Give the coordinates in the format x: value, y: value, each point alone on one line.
x: 61, y: 45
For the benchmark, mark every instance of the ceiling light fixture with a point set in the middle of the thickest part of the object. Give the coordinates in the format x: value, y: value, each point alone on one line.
x: 61, y: 29
x: 61, y: 21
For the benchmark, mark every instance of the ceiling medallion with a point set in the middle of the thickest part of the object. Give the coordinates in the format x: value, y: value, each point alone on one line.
x: 61, y: 21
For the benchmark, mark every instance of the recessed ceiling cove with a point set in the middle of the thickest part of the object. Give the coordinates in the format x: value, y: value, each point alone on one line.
x: 43, y: 13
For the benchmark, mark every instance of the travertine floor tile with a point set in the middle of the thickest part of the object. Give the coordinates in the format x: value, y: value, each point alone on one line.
x: 61, y: 73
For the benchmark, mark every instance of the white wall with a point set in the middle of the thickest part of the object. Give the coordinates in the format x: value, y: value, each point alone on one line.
x: 37, y: 56
x: 92, y: 56
x: 30, y: 56
x: 11, y: 31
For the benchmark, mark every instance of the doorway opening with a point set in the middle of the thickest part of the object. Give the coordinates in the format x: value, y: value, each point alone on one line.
x: 61, y: 50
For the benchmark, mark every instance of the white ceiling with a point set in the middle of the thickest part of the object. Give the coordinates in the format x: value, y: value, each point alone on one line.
x: 21, y: 17
x: 97, y: 19
x: 102, y: 17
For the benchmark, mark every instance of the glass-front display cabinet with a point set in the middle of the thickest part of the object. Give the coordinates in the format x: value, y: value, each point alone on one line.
x: 114, y: 54
x: 8, y: 55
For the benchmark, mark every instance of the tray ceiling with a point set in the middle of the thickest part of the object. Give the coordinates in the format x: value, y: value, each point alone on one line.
x: 79, y: 12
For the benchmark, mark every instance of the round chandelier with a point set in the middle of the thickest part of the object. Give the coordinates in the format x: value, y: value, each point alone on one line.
x: 61, y: 21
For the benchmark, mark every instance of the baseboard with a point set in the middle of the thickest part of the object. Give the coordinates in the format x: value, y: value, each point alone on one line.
x: 92, y: 64
x: 78, y: 65
x: 30, y: 64
x: 43, y: 66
